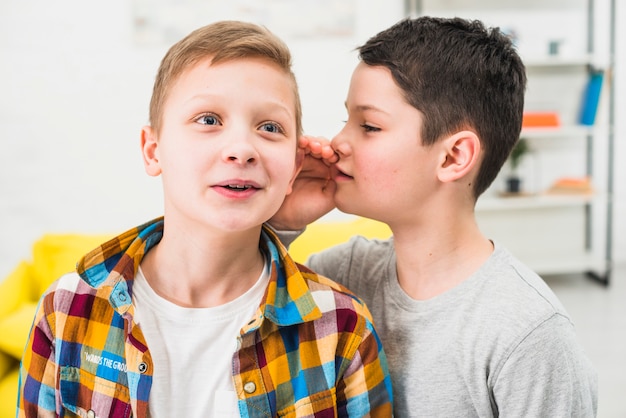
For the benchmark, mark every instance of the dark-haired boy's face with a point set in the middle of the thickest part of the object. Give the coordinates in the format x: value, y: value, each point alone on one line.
x: 384, y: 172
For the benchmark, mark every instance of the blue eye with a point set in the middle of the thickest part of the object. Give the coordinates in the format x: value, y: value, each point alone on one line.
x: 208, y: 120
x: 271, y: 127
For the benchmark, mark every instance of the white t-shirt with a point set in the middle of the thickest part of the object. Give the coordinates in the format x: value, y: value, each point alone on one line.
x: 192, y: 350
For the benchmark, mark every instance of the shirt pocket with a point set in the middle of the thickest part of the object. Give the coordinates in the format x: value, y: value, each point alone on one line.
x: 86, y: 395
x: 318, y: 405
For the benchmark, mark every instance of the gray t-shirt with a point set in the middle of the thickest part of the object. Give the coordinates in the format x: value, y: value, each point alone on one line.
x: 498, y: 344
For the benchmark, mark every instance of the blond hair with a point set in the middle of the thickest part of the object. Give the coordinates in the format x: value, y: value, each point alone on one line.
x: 222, y: 41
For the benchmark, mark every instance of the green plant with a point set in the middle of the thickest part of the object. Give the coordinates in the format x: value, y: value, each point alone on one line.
x: 517, y: 153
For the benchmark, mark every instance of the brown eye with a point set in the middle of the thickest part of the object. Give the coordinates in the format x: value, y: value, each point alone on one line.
x: 369, y: 128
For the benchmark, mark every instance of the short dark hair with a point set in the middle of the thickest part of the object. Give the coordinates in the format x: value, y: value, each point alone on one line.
x: 459, y: 75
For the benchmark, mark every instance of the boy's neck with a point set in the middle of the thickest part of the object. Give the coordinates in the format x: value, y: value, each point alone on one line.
x: 197, y: 272
x: 435, y: 258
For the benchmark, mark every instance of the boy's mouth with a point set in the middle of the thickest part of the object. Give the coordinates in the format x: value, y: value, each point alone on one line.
x: 340, y: 174
x: 238, y: 187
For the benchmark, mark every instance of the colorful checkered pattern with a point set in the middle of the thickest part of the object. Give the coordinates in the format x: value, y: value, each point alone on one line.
x: 310, y: 351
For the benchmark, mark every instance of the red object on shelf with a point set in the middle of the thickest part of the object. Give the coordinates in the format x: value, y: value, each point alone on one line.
x: 540, y: 119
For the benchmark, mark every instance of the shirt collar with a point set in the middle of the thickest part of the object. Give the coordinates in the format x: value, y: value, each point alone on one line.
x: 288, y: 299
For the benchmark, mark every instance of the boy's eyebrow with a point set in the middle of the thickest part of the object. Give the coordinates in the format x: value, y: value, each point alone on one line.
x: 363, y: 108
x: 272, y: 104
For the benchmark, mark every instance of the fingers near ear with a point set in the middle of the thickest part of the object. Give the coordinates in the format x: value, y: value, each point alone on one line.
x: 462, y: 152
x: 149, y: 151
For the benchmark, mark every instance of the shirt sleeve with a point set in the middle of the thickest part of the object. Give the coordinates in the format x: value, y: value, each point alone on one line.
x: 37, y: 394
x: 330, y: 262
x: 349, y: 264
x: 365, y: 386
x: 547, y: 374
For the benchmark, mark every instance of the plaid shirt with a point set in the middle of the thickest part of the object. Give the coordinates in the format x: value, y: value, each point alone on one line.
x: 310, y: 350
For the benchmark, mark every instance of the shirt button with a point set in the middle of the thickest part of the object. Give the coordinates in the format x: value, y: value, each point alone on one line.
x: 143, y: 367
x: 249, y: 387
x: 122, y: 296
x: 91, y: 414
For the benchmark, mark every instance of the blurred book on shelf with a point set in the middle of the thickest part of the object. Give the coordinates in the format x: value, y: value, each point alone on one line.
x: 571, y: 185
x: 591, y: 97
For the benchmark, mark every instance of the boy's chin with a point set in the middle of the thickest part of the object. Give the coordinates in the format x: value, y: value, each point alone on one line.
x: 352, y: 206
x: 346, y: 206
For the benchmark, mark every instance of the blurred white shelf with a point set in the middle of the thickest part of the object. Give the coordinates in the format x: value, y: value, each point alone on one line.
x: 547, y: 61
x: 558, y: 132
x: 538, y: 201
x: 552, y: 233
x: 574, y: 263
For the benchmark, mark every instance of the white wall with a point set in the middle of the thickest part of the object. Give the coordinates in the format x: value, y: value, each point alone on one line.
x: 619, y: 216
x: 74, y: 93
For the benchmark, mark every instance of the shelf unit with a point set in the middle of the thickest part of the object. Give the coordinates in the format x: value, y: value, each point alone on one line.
x: 553, y: 234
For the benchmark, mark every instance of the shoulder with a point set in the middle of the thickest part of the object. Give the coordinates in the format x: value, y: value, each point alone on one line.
x: 516, y: 303
x: 65, y: 300
x: 358, y: 246
x: 514, y: 288
x: 358, y: 260
x: 69, y: 292
x: 334, y: 298
x: 505, y: 301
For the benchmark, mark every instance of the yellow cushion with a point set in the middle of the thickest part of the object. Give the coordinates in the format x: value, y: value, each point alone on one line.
x: 323, y: 234
x: 6, y: 363
x: 8, y: 393
x: 14, y: 329
x: 57, y: 254
x: 53, y: 256
x: 15, y: 289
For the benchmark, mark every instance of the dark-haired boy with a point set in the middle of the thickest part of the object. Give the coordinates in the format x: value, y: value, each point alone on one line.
x: 434, y: 108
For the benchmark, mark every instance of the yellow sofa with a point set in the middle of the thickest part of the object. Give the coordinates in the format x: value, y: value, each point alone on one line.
x: 53, y: 255
x: 56, y: 254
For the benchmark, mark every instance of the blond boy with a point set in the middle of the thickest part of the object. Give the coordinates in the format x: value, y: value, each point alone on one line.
x: 202, y: 312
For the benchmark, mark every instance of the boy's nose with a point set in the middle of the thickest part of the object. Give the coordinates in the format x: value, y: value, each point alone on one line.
x: 240, y: 151
x: 340, y: 144
x: 241, y: 159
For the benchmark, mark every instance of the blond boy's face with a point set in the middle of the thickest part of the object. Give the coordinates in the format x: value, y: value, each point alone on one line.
x: 384, y: 172
x: 227, y: 146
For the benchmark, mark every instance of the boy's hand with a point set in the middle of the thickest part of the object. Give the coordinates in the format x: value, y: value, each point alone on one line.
x: 313, y: 188
x: 318, y: 147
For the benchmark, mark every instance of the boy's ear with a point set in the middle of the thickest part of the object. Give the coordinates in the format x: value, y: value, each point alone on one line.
x: 150, y: 151
x: 461, y: 154
x: 300, y: 154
